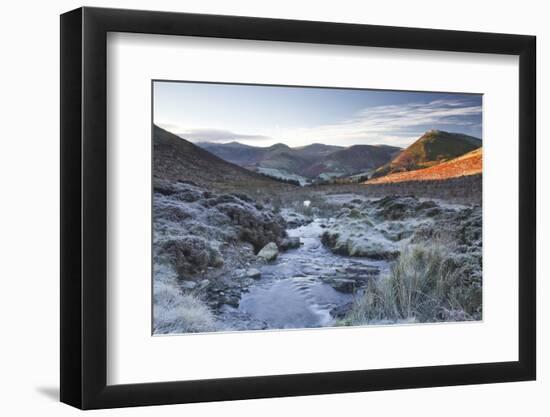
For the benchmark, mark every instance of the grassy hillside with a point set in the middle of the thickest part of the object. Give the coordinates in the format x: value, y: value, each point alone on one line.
x: 353, y: 159
x: 177, y: 159
x: 432, y: 148
x: 317, y: 150
x: 468, y: 164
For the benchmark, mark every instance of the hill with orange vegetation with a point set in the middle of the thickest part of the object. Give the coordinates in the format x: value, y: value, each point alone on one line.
x: 432, y: 148
x: 468, y: 164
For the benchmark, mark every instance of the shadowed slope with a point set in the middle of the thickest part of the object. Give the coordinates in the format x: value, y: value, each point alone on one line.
x: 175, y: 158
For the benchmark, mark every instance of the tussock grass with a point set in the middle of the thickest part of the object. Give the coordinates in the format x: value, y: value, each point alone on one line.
x: 374, y: 306
x: 424, y: 285
x: 177, y: 312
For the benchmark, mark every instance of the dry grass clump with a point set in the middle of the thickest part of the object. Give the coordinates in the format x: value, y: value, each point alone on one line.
x: 425, y: 284
x: 374, y: 306
x: 176, y: 311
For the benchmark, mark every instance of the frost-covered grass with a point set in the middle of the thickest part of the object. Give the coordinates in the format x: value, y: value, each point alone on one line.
x: 375, y: 306
x: 175, y: 311
x: 284, y: 175
x: 202, y: 236
x: 423, y: 285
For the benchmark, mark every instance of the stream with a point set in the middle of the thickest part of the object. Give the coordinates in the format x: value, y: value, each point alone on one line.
x: 303, y: 286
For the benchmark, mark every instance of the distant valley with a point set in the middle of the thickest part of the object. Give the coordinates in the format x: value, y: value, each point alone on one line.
x: 317, y: 163
x: 306, y: 164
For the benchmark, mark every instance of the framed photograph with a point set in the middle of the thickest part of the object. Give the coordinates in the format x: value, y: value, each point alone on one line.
x: 258, y: 208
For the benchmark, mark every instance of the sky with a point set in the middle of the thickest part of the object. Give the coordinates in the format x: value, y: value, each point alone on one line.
x: 264, y: 115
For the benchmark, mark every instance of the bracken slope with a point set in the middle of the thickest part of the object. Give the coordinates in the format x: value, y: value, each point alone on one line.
x: 465, y: 165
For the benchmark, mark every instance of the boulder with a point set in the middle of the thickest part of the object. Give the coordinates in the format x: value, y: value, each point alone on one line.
x: 290, y: 243
x: 269, y: 252
x: 372, y: 249
x: 360, y: 244
x: 253, y: 273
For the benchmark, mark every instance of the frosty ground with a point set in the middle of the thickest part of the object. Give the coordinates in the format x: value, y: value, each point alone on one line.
x: 310, y: 257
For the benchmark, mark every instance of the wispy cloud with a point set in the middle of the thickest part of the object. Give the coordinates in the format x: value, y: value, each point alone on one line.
x: 394, y: 124
x: 398, y: 125
x: 212, y: 135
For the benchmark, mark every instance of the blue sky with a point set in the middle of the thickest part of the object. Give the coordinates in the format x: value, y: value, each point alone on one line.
x: 264, y: 115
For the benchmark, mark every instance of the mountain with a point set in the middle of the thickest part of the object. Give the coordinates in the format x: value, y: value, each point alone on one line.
x: 234, y: 152
x: 352, y: 160
x: 283, y: 157
x: 278, y: 156
x: 308, y: 161
x: 432, y: 148
x: 470, y: 163
x: 316, y: 150
x: 176, y: 159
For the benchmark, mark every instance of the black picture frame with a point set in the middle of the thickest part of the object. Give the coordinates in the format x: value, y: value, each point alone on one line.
x: 84, y: 207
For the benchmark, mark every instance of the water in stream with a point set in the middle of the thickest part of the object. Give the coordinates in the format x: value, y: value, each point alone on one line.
x: 298, y: 289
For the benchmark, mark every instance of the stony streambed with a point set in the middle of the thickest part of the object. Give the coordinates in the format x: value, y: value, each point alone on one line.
x: 303, y: 287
